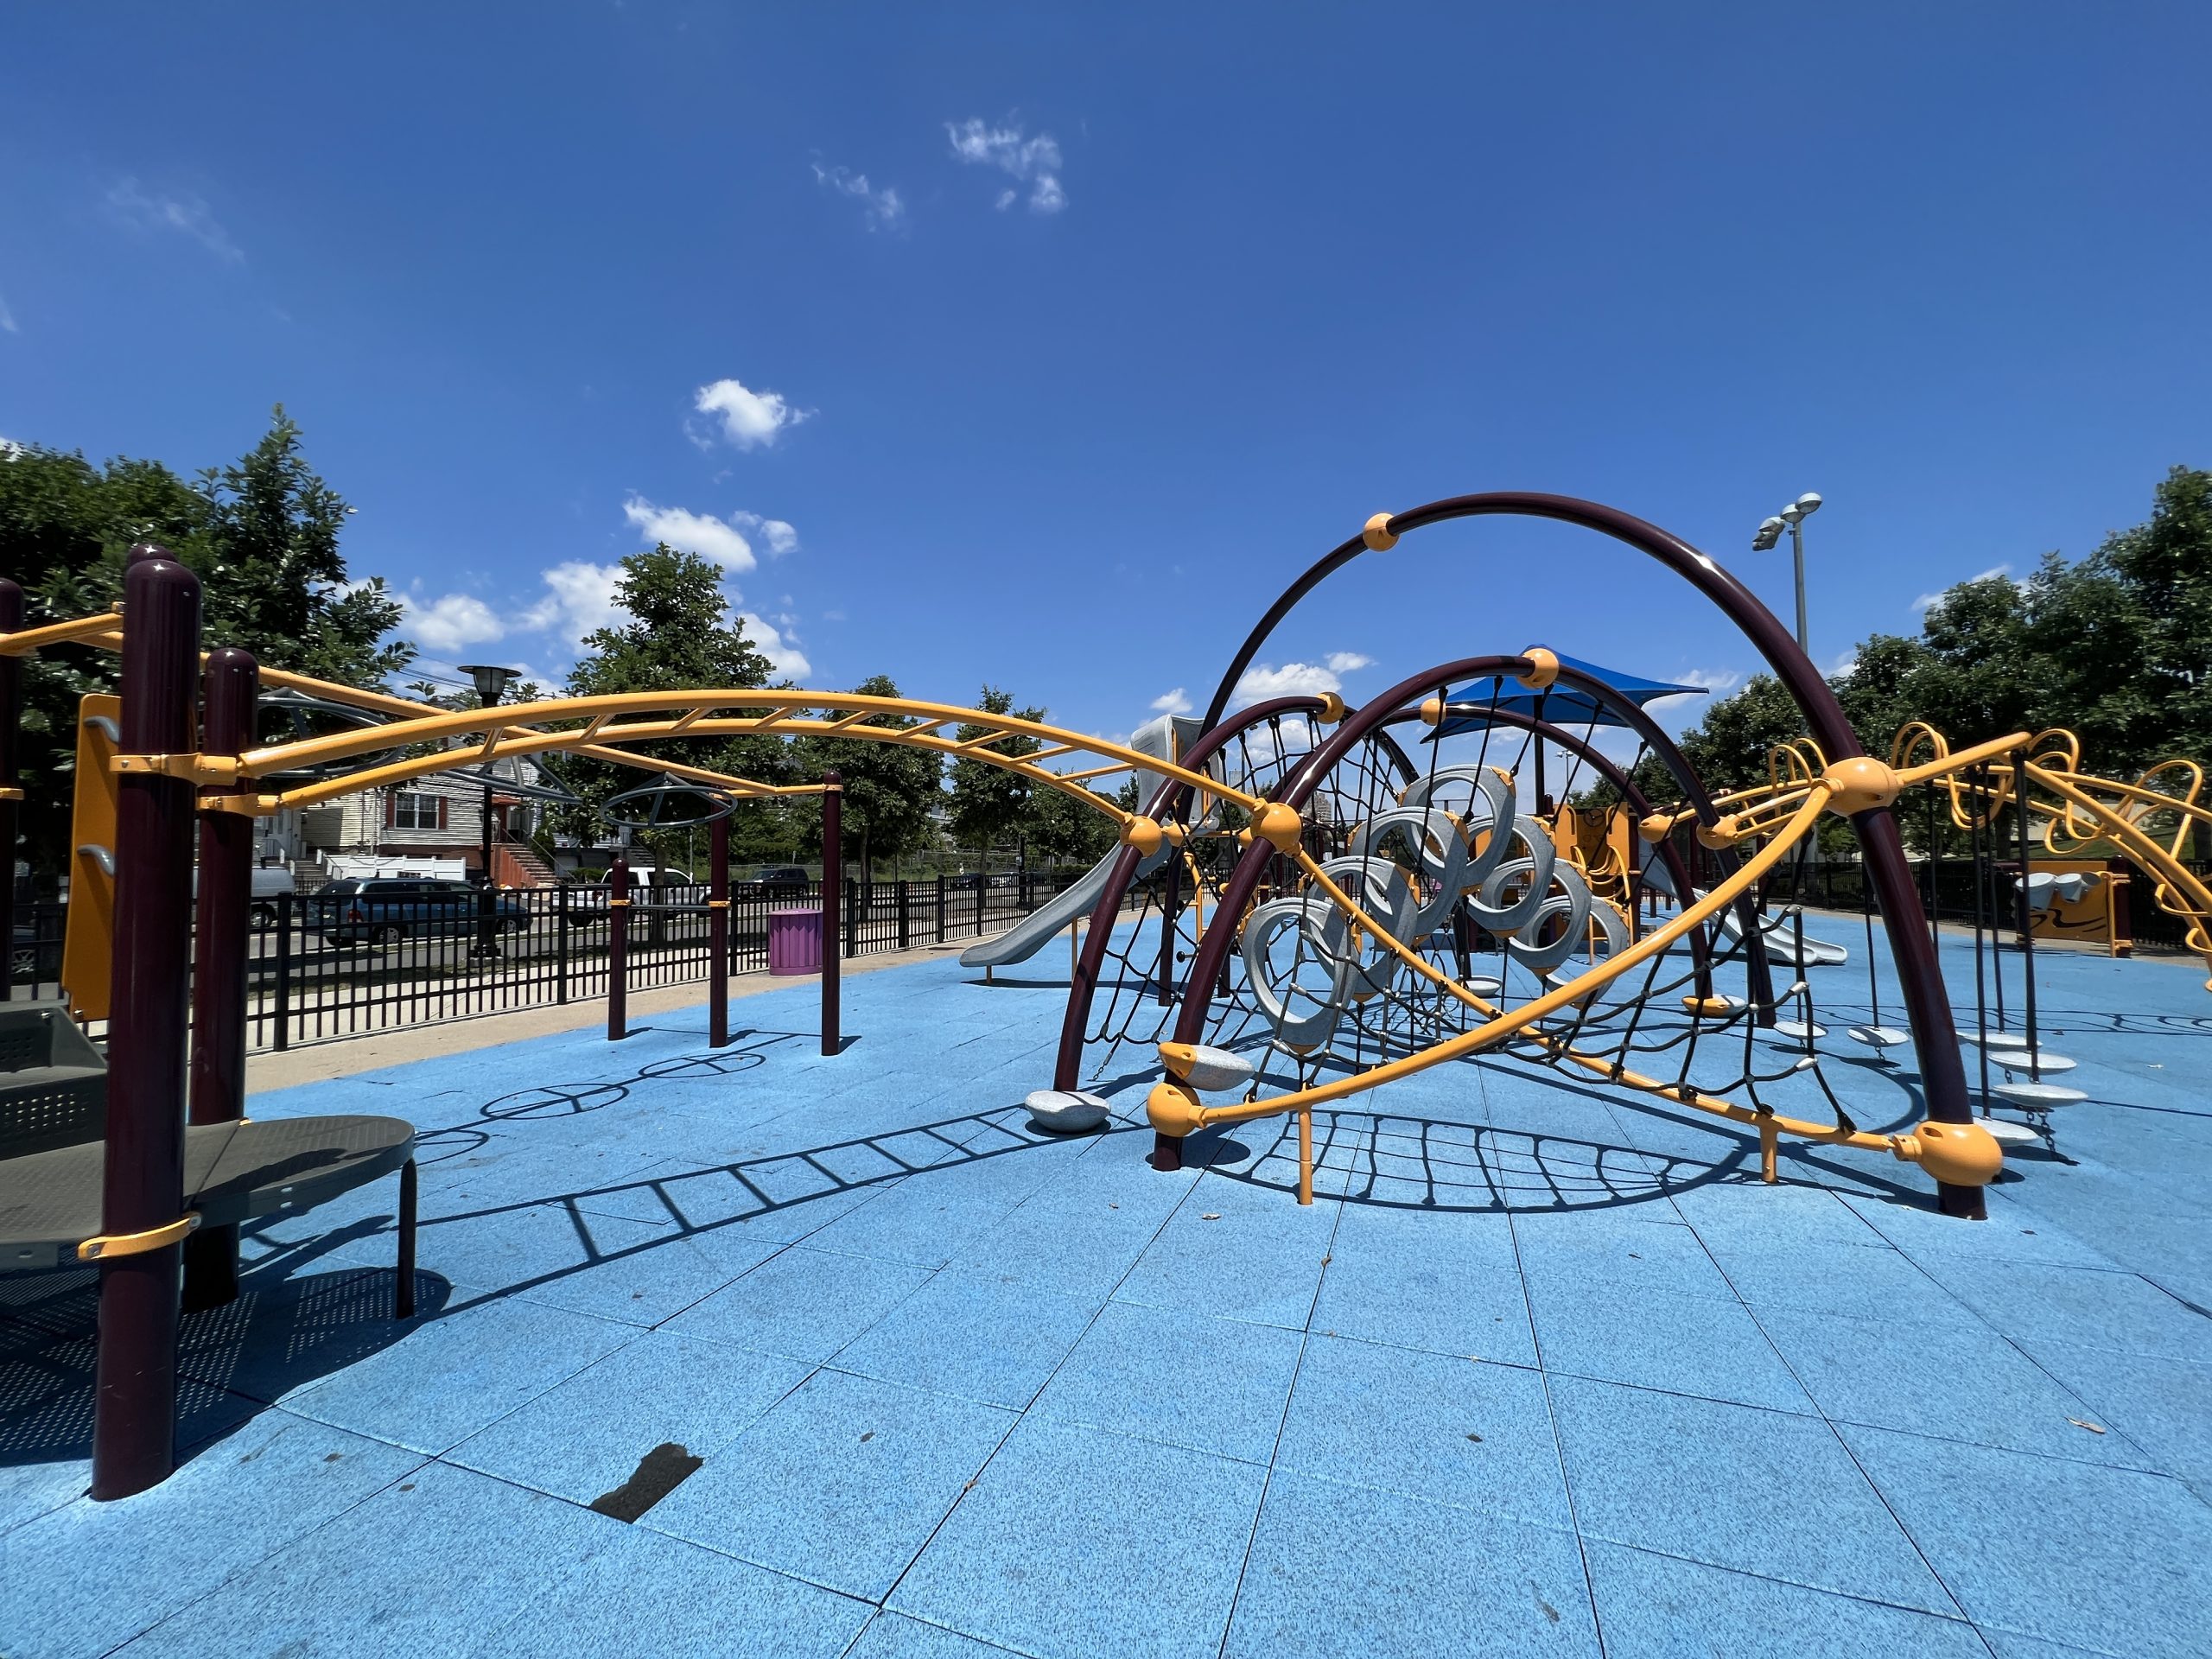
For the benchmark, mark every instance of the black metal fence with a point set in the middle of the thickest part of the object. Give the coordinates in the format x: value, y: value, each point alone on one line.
x: 1949, y: 894
x: 320, y: 968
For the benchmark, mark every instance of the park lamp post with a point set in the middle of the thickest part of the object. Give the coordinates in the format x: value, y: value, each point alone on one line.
x: 491, y: 684
x: 1769, y: 532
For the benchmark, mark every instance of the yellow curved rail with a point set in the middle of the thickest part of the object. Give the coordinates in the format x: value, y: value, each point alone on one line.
x: 521, y: 729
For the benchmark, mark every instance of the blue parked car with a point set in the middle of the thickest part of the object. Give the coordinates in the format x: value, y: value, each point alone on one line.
x: 382, y: 910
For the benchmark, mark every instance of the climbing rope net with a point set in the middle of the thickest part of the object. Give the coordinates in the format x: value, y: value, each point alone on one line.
x: 1464, y: 904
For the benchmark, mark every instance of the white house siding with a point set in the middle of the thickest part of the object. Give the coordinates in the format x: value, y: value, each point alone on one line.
x: 361, y: 823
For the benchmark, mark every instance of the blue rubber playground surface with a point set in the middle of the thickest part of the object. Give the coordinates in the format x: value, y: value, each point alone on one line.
x: 1546, y: 1370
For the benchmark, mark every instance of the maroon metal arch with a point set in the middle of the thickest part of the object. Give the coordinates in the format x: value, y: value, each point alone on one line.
x: 1928, y: 1007
x: 1637, y: 719
x: 1167, y: 800
x: 1603, y: 764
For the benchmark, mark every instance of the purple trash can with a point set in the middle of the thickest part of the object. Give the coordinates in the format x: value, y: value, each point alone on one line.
x: 795, y: 940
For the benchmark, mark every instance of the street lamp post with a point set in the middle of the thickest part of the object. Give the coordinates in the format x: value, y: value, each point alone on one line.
x: 1770, y: 533
x: 491, y: 684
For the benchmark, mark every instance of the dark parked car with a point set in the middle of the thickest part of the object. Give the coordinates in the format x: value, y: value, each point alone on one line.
x: 382, y: 909
x: 773, y: 882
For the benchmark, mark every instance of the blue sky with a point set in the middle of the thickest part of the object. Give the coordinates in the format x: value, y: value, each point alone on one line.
x: 1043, y: 348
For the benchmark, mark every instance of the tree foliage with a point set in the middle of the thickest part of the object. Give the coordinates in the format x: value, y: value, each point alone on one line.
x: 988, y: 804
x: 890, y: 789
x: 262, y: 534
x: 2116, y: 647
x: 680, y: 634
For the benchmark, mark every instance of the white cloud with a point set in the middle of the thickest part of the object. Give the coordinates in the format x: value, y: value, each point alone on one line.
x: 1175, y: 703
x: 1348, y: 662
x: 781, y: 536
x: 449, y: 623
x: 7, y: 317
x: 1712, y: 679
x: 694, y: 532
x: 883, y: 209
x: 579, y: 598
x: 1034, y: 161
x: 750, y: 420
x: 188, y: 214
x: 1930, y: 602
x: 784, y: 655
x: 1291, y: 680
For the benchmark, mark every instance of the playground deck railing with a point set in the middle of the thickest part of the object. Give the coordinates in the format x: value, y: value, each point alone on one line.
x: 311, y: 978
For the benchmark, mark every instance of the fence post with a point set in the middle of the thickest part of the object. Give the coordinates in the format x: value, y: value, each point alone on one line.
x: 282, y: 1015
x: 142, y: 1197
x: 222, y: 939
x: 982, y: 890
x: 718, y: 933
x: 940, y: 907
x: 617, y: 948
x: 904, y: 888
x: 833, y: 886
x: 561, y: 948
x: 11, y: 719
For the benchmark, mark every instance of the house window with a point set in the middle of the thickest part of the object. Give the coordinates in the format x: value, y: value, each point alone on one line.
x: 412, y: 811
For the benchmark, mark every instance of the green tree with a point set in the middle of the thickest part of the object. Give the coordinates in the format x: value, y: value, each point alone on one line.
x: 262, y: 534
x: 891, y: 789
x: 2116, y: 646
x: 1060, y: 829
x: 680, y: 635
x: 989, y: 803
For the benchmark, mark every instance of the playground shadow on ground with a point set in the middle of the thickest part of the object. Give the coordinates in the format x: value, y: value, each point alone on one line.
x: 284, y: 1330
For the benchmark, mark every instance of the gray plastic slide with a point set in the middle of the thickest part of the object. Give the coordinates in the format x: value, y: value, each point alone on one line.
x: 1164, y: 738
x: 1780, y: 935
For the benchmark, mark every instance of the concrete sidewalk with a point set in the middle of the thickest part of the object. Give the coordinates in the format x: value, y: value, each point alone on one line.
x: 344, y: 1057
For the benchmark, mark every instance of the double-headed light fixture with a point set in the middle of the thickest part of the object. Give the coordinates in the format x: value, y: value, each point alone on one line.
x: 1791, y: 517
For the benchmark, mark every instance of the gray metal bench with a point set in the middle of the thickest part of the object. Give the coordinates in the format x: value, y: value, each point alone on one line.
x: 53, y: 1154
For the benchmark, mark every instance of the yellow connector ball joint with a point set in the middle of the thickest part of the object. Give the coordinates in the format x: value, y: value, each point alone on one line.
x: 1717, y: 835
x: 1958, y: 1154
x: 1657, y: 828
x: 1144, y: 833
x: 1278, y: 824
x: 1377, y: 534
x: 1331, y: 710
x: 1543, y: 668
x: 1858, y: 783
x: 1173, y: 1109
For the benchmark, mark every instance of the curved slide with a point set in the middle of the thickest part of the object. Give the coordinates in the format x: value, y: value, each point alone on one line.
x: 1166, y: 738
x: 1781, y: 936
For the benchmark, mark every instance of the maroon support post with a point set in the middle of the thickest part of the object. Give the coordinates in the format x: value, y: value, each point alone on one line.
x: 221, y: 939
x: 11, y: 780
x: 618, y: 950
x: 833, y: 903
x: 134, y: 1411
x: 718, y: 933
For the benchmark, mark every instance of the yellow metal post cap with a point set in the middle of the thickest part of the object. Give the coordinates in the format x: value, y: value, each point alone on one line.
x: 1860, y: 783
x: 1959, y: 1154
x: 1144, y: 833
x: 1331, y: 710
x: 1278, y: 824
x: 1722, y: 832
x: 1543, y: 668
x: 1175, y: 1109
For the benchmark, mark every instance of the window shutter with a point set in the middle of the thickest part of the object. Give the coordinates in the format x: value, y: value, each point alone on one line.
x: 391, y: 809
x: 444, y: 801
